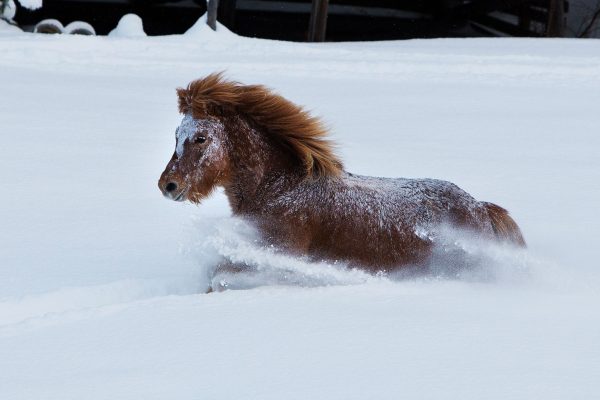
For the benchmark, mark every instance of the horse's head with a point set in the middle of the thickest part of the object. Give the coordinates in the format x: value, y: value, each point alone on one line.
x: 200, y: 161
x: 267, y: 131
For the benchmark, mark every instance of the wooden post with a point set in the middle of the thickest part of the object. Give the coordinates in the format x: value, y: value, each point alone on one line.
x: 318, y: 21
x: 556, y: 19
x: 211, y: 13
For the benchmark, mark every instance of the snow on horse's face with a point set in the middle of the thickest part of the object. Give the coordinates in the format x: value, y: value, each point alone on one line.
x: 200, y: 160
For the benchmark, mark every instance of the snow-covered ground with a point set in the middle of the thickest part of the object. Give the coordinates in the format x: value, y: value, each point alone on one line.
x: 100, y: 277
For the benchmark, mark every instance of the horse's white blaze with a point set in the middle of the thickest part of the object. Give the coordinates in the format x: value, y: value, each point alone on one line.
x: 185, y: 131
x: 188, y: 128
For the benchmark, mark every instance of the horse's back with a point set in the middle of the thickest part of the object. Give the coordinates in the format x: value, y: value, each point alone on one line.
x: 418, y: 203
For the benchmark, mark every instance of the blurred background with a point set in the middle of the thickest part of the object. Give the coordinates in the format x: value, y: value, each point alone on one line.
x: 334, y: 20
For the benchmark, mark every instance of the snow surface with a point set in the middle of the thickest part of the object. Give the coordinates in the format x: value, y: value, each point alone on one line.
x: 100, y: 276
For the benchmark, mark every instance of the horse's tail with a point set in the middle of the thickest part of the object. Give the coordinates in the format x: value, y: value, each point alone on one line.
x: 505, y: 228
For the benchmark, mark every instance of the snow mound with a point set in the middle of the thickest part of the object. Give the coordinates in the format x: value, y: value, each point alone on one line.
x: 130, y: 25
x: 50, y: 25
x: 9, y: 12
x: 201, y: 29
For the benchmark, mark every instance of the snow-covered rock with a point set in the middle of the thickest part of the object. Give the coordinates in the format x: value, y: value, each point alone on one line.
x: 130, y: 25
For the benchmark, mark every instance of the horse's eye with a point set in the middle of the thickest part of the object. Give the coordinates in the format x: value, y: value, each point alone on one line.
x: 200, y: 139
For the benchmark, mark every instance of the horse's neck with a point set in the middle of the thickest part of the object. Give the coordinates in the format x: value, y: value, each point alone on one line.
x: 256, y: 164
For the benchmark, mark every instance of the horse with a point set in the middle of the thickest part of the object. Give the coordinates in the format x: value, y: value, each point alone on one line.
x: 280, y: 173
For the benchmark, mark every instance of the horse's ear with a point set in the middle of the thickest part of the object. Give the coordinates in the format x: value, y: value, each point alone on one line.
x: 183, y: 100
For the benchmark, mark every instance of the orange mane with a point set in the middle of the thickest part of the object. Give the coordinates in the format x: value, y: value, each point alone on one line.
x: 302, y: 133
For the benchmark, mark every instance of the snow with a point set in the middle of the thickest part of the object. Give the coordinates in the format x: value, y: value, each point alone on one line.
x: 201, y: 30
x: 80, y: 26
x: 9, y: 12
x: 31, y: 4
x: 130, y: 25
x: 54, y: 25
x: 6, y: 28
x: 189, y: 126
x: 101, y: 277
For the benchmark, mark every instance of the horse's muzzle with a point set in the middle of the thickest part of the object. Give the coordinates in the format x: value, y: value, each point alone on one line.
x: 172, y: 190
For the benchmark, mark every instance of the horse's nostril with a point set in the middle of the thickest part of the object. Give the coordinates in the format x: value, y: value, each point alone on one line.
x: 171, y: 186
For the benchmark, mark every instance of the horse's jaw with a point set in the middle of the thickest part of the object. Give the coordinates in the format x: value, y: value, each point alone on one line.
x: 196, y: 197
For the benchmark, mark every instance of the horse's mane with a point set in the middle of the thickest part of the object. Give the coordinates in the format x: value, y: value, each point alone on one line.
x: 290, y: 124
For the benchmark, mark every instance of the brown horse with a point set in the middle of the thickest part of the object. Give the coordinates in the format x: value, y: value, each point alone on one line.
x: 280, y: 173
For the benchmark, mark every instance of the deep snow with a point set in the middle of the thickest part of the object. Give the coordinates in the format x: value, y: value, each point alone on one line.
x: 100, y: 276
